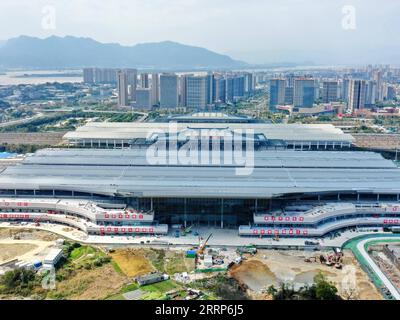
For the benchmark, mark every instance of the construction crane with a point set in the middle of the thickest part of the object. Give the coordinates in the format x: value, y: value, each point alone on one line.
x: 202, y: 246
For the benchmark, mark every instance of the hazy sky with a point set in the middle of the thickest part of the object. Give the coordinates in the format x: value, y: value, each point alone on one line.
x: 257, y: 31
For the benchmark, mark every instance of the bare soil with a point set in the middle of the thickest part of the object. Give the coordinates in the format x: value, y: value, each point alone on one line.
x: 132, y: 262
x: 272, y: 267
x: 11, y: 251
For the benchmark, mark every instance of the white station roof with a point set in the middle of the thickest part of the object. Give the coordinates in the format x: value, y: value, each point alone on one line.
x: 144, y: 130
x: 275, y: 173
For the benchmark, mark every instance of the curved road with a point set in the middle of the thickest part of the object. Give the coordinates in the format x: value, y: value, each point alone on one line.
x: 361, y: 248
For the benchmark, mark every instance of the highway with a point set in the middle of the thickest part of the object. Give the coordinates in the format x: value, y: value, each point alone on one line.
x: 361, y: 248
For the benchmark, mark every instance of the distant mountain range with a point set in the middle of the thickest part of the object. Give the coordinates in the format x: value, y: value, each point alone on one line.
x: 74, y: 52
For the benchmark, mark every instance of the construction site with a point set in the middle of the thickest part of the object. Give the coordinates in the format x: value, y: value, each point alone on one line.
x: 386, y: 256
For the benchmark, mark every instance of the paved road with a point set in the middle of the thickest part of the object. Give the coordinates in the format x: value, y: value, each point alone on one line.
x: 20, y: 121
x: 226, y: 237
x: 361, y: 248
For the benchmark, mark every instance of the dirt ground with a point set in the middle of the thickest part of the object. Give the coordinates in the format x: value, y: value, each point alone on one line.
x: 28, y: 234
x: 272, y: 267
x: 132, y: 262
x: 91, y: 284
x: 11, y: 251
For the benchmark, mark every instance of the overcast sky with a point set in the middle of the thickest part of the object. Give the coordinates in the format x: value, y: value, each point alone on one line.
x: 256, y: 31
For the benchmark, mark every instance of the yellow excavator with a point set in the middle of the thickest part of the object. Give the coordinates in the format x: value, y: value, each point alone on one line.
x: 202, y: 246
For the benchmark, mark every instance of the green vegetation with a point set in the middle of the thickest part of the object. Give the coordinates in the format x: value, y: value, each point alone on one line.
x: 22, y: 148
x: 155, y: 291
x: 19, y: 282
x: 321, y: 289
x: 85, y: 257
x: 68, y: 121
x: 162, y: 287
x: 222, y: 287
x: 170, y: 262
x: 123, y: 117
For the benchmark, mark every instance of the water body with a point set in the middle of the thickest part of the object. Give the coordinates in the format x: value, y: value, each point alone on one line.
x: 40, y: 76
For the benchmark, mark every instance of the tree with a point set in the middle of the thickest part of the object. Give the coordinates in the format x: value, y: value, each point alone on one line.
x: 324, y: 290
x: 321, y: 289
x: 19, y: 281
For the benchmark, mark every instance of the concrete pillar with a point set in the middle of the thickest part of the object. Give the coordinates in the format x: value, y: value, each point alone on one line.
x: 358, y: 197
x: 185, y: 212
x: 377, y: 197
x: 222, y: 213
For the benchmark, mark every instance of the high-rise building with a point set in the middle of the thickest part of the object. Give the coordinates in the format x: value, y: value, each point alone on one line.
x: 344, y: 92
x: 221, y: 89
x: 210, y: 89
x: 169, y: 94
x: 249, y: 83
x: 289, y: 91
x: 105, y: 75
x: 235, y: 86
x: 122, y: 85
x: 88, y: 75
x: 144, y: 81
x: 391, y: 93
x: 196, y: 92
x: 238, y: 87
x: 229, y: 90
x: 290, y: 80
x: 155, y: 89
x: 377, y: 77
x: 143, y: 98
x: 304, y: 93
x: 276, y: 92
x: 132, y: 83
x: 356, y: 95
x: 370, y: 93
x: 329, y: 91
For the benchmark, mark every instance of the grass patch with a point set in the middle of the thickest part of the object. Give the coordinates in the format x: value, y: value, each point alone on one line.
x: 118, y: 296
x: 77, y: 253
x: 162, y: 287
x: 176, y: 262
x: 130, y: 287
x: 116, y: 267
x: 154, y: 296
